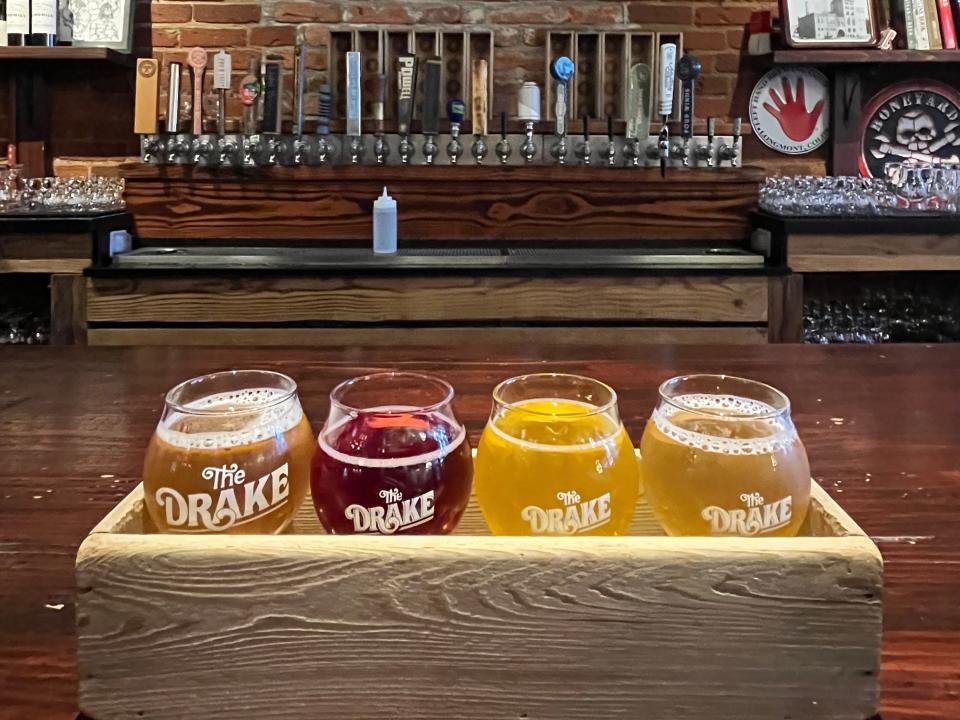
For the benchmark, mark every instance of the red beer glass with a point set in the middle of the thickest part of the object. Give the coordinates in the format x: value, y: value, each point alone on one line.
x: 392, y: 457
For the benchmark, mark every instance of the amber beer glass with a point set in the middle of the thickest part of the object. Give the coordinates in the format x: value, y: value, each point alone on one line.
x: 231, y: 453
x: 554, y: 459
x: 392, y: 457
x: 720, y: 456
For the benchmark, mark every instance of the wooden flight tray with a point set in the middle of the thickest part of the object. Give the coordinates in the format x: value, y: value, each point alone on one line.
x: 306, y: 625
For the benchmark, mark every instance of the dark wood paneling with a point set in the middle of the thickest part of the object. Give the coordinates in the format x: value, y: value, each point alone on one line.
x: 880, y: 426
x: 428, y: 298
x: 785, y: 317
x: 444, y: 203
x: 427, y: 336
x: 68, y: 310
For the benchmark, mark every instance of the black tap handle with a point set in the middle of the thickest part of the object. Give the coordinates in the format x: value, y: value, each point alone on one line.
x: 610, y: 127
x: 586, y: 126
x: 503, y: 125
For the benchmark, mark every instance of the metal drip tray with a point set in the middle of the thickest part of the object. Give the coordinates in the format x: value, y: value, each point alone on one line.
x: 451, y: 258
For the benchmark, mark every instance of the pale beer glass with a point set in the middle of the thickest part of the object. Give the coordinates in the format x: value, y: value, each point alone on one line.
x: 555, y: 459
x: 720, y: 456
x: 231, y: 453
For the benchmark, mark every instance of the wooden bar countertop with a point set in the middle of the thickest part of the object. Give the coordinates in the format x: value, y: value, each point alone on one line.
x: 881, y: 425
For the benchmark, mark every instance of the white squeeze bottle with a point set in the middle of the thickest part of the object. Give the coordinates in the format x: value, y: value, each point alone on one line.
x: 385, y: 224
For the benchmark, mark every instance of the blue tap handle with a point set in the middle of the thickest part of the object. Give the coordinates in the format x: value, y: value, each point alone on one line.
x: 455, y: 110
x: 562, y: 68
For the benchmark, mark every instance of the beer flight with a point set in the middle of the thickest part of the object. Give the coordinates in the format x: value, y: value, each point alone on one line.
x: 233, y: 452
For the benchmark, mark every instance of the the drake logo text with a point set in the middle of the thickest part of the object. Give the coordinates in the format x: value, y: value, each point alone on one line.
x: 574, y: 517
x: 238, y: 501
x: 399, y: 514
x: 755, y: 519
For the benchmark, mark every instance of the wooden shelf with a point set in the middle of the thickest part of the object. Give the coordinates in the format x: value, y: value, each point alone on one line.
x: 64, y: 53
x: 863, y: 56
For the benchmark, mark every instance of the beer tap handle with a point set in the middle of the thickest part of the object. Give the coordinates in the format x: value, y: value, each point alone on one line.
x: 380, y: 147
x: 639, y: 107
x: 299, y: 85
x: 585, y: 150
x: 147, y: 97
x: 354, y: 130
x: 222, y: 71
x: 528, y: 110
x: 478, y: 109
x: 249, y: 93
x: 503, y: 147
x: 431, y: 109
x: 455, y: 112
x: 197, y: 59
x: 668, y: 60
x: 173, y: 99
x: 707, y: 151
x: 562, y: 70
x: 406, y: 97
x: 324, y: 112
x: 431, y: 98
x: 272, y: 97
x: 688, y: 69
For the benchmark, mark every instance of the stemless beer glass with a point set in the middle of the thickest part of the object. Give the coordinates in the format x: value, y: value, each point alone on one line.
x: 554, y: 459
x: 392, y: 457
x: 231, y: 453
x: 720, y: 456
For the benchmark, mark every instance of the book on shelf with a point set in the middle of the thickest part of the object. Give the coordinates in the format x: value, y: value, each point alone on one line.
x: 948, y: 29
x: 932, y: 14
x: 918, y: 9
x: 905, y: 23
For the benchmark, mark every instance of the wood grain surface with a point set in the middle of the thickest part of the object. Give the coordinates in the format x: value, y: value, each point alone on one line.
x: 384, y: 336
x: 543, y: 627
x: 873, y: 253
x: 879, y: 422
x: 428, y: 298
x: 480, y: 204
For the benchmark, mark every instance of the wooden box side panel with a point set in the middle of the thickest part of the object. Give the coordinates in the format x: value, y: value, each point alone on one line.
x: 309, y: 626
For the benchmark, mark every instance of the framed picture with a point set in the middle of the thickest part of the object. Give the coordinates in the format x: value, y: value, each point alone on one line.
x: 102, y: 23
x: 829, y: 23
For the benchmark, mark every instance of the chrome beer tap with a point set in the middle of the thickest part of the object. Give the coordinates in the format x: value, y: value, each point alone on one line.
x: 729, y: 152
x: 503, y: 148
x: 528, y: 110
x: 668, y: 61
x: 354, y: 130
x: 152, y: 148
x: 201, y: 149
x: 705, y: 152
x: 381, y: 148
x: 584, y: 151
x: 251, y: 148
x: 431, y: 109
x: 323, y: 124
x: 688, y: 70
x: 639, y: 99
x: 226, y: 150
x: 406, y: 97
x: 562, y: 70
x: 271, y: 148
x: 300, y: 147
x: 455, y: 111
x: 478, y: 106
x: 611, y: 143
x: 176, y: 149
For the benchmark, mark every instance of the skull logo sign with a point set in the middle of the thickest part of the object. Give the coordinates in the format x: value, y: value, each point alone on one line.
x: 910, y: 121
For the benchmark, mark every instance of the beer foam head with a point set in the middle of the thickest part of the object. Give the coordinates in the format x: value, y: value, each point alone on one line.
x: 372, y: 462
x: 231, y: 419
x: 725, y: 413
x: 555, y: 425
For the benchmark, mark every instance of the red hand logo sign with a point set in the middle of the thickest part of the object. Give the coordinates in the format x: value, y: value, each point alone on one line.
x: 791, y: 112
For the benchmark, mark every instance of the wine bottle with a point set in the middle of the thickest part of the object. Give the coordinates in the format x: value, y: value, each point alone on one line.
x: 43, y: 22
x: 18, y: 22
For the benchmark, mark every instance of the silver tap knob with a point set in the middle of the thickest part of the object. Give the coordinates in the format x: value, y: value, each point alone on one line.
x: 529, y: 148
x: 454, y: 147
x: 682, y: 150
x: 729, y: 152
x: 705, y: 152
x: 227, y: 150
x: 356, y: 148
x: 251, y: 146
x: 201, y: 149
x: 632, y: 152
x: 151, y: 148
x: 430, y: 149
x: 479, y: 149
x: 323, y: 150
x: 406, y: 149
x: 176, y: 150
x: 559, y: 150
x: 611, y: 143
x: 300, y: 148
x: 381, y: 148
x: 271, y: 146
